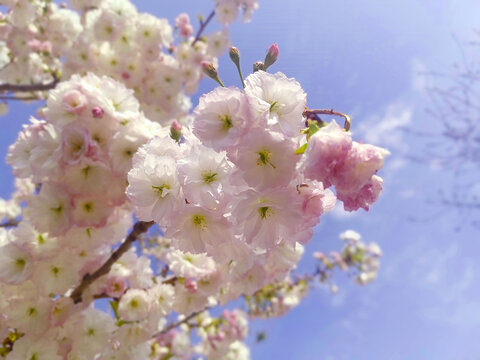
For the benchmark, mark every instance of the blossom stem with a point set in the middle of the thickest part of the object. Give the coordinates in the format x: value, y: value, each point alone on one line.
x: 348, y: 119
x: 138, y: 229
x: 241, y: 76
x: 203, y: 25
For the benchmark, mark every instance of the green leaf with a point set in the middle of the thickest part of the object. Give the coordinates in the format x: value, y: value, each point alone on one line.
x: 301, y: 149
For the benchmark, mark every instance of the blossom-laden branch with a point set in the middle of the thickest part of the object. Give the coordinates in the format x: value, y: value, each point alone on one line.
x: 30, y: 87
x: 138, y: 229
x: 348, y: 119
x: 203, y: 25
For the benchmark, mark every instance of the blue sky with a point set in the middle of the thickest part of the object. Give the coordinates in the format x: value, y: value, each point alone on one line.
x: 364, y: 58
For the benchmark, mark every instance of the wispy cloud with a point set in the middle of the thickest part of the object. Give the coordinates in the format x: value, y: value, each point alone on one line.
x: 385, y: 129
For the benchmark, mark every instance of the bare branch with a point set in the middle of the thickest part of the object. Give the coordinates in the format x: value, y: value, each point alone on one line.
x: 203, y: 25
x: 10, y: 223
x: 138, y: 229
x: 180, y: 322
x: 172, y: 280
x: 348, y: 119
x: 25, y: 98
x: 30, y: 87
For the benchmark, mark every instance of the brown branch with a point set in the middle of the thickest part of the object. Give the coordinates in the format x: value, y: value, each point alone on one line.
x: 9, y: 223
x: 203, y: 25
x: 30, y: 87
x: 25, y: 98
x: 172, y: 280
x: 348, y: 119
x: 101, y: 296
x: 138, y: 229
x: 180, y: 322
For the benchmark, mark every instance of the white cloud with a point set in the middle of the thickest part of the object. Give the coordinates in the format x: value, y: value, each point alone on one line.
x: 385, y: 129
x: 340, y: 214
x: 419, y: 76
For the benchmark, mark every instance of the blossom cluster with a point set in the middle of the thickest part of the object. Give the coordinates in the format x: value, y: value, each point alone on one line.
x: 356, y: 257
x: 78, y: 155
x: 33, y: 37
x: 160, y: 63
x: 231, y: 196
x: 235, y: 189
x: 231, y: 193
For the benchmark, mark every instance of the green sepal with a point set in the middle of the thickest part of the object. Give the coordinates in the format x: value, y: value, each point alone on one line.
x: 312, y: 128
x: 114, y: 305
x: 301, y: 149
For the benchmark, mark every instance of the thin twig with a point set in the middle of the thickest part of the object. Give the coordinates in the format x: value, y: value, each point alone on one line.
x: 29, y: 87
x: 172, y: 280
x: 138, y: 229
x: 203, y: 25
x: 348, y: 119
x: 180, y: 322
x: 9, y: 223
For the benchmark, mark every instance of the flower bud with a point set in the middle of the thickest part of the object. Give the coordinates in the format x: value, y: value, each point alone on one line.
x: 191, y: 285
x: 176, y: 131
x: 258, y: 66
x: 272, y: 56
x: 211, y: 71
x: 97, y: 112
x: 235, y: 55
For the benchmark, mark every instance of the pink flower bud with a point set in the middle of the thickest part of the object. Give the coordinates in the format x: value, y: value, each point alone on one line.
x: 209, y: 69
x: 182, y: 20
x: 176, y: 131
x: 97, y: 112
x: 191, y: 285
x: 273, y: 51
x: 186, y: 31
x: 176, y: 125
x: 125, y: 75
x: 272, y: 55
x: 234, y: 55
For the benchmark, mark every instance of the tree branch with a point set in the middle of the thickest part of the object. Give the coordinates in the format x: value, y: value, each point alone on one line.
x: 348, y: 119
x: 180, y: 322
x: 171, y: 281
x: 203, y: 25
x: 138, y: 229
x: 9, y: 223
x: 25, y: 98
x: 30, y: 87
